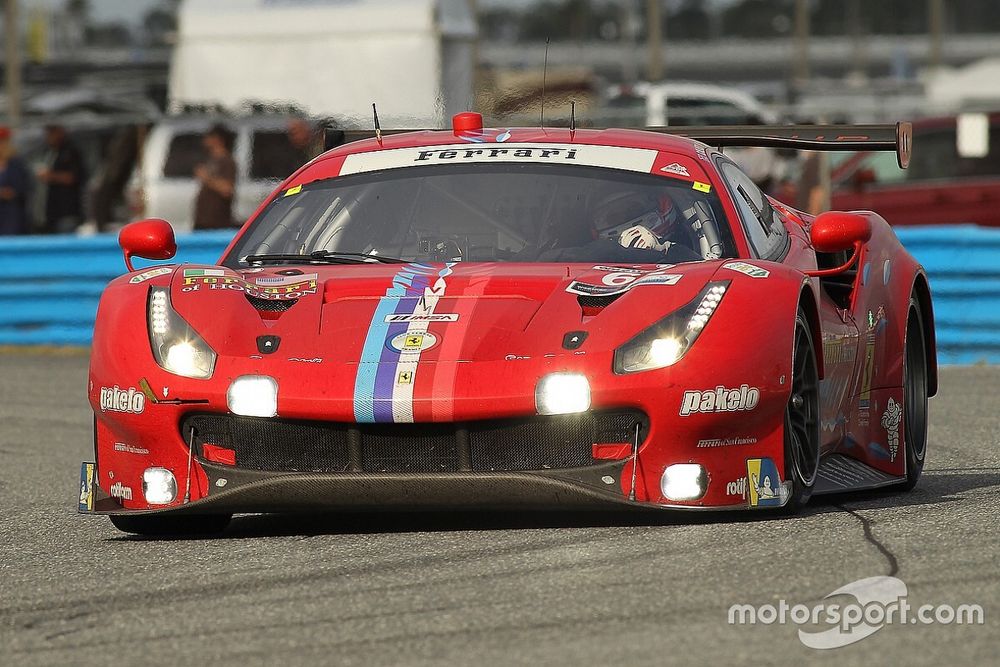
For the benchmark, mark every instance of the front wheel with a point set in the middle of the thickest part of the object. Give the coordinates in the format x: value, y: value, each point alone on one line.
x: 802, y: 418
x: 192, y: 524
x: 914, y: 396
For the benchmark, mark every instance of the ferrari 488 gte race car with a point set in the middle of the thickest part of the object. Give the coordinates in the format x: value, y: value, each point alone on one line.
x: 537, y: 318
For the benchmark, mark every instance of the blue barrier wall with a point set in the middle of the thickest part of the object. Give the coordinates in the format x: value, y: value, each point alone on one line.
x: 50, y: 286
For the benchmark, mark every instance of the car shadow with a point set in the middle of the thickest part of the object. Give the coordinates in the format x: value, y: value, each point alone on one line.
x: 935, y: 487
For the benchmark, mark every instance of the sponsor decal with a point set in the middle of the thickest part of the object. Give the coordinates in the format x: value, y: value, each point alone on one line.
x: 296, y: 289
x: 747, y: 269
x: 397, y: 335
x: 421, y: 317
x: 867, y: 372
x: 726, y: 442
x: 737, y: 488
x: 87, y: 471
x: 620, y: 281
x: 676, y: 168
x: 701, y: 187
x: 886, y: 272
x: 610, y: 157
x: 413, y: 342
x: 281, y: 281
x: 151, y: 273
x: 533, y: 153
x: 764, y: 484
x: 890, y: 422
x: 115, y: 399
x: 701, y: 152
x: 294, y: 190
x: 129, y: 449
x: 199, y: 273
x: 742, y: 399
x: 314, y: 360
x: 120, y: 491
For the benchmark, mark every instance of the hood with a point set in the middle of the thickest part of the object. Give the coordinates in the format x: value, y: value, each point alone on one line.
x: 461, y: 312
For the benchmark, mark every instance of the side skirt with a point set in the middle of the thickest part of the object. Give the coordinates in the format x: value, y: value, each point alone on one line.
x: 839, y: 473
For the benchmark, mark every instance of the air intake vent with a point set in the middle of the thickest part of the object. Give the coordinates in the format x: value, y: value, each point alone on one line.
x: 271, y: 305
x: 591, y: 302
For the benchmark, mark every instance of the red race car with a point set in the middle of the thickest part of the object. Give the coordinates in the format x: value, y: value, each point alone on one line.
x: 541, y: 318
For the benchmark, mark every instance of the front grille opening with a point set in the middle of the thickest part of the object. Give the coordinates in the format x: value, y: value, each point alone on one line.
x: 270, y: 305
x: 506, y: 445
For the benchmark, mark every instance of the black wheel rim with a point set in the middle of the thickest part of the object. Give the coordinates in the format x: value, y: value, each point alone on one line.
x: 801, y: 415
x: 915, y: 389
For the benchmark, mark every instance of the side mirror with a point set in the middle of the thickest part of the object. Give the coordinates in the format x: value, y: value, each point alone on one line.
x: 149, y: 239
x: 836, y: 231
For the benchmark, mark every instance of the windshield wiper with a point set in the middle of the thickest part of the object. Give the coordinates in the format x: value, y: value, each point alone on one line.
x: 324, y: 257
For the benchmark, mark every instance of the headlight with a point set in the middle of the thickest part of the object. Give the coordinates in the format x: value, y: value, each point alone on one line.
x: 562, y: 394
x: 664, y: 343
x: 177, y: 347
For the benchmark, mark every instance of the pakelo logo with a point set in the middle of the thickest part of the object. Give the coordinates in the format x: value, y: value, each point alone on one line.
x: 742, y: 399
x: 120, y: 491
x: 114, y: 399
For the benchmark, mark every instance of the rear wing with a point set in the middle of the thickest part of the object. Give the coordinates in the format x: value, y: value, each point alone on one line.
x: 897, y: 138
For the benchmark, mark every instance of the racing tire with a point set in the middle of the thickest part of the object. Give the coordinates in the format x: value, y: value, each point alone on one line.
x: 914, y: 395
x: 802, y: 417
x: 144, y: 524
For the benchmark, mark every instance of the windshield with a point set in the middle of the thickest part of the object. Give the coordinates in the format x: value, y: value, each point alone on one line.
x: 490, y: 212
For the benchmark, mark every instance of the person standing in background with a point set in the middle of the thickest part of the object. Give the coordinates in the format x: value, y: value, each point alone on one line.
x: 213, y: 208
x: 65, y: 178
x: 305, y: 143
x: 15, y: 188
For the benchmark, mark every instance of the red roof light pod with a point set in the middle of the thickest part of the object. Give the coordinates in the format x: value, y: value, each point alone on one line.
x: 467, y: 122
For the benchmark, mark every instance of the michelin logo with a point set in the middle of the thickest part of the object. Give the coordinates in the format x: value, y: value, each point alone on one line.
x: 742, y: 399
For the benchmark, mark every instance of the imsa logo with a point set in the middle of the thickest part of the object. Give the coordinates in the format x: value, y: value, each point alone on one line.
x: 742, y: 399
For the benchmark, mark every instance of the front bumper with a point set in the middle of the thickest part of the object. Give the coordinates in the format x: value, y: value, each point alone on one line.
x: 235, y: 490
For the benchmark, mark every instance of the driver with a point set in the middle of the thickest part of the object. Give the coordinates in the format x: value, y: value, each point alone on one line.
x: 637, y: 220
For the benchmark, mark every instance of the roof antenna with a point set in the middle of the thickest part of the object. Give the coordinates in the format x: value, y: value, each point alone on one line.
x: 378, y: 128
x: 572, y: 116
x: 545, y: 70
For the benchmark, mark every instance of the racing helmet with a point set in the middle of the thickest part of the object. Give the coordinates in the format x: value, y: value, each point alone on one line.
x: 619, y: 211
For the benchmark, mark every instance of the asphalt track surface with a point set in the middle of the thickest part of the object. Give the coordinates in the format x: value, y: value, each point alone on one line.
x: 436, y: 589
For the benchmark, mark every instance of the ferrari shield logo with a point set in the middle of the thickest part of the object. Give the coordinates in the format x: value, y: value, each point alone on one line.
x: 413, y: 342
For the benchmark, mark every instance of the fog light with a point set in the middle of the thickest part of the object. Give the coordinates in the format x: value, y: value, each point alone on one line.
x: 562, y: 393
x: 684, y: 481
x: 253, y: 396
x: 159, y: 486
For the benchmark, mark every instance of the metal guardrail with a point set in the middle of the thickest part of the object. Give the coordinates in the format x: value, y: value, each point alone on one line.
x: 50, y: 286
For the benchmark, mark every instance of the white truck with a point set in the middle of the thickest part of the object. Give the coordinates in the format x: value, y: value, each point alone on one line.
x: 414, y: 58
